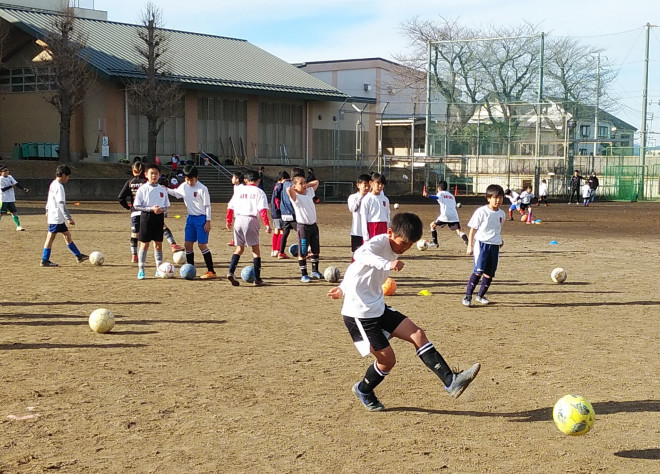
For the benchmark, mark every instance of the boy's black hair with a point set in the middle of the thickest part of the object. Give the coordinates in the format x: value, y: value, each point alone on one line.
x: 407, y: 225
x: 252, y: 176
x: 62, y: 170
x: 297, y: 171
x: 299, y: 177
x: 364, y: 178
x: 283, y: 175
x: 190, y: 171
x: 151, y: 166
x: 443, y: 185
x: 138, y: 166
x: 238, y: 175
x: 375, y: 176
x: 3, y: 168
x: 494, y: 190
x: 507, y: 192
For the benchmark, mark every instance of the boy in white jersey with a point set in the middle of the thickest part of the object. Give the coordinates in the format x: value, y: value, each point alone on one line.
x: 58, y: 217
x: 301, y: 194
x: 354, y: 202
x: 526, y: 203
x: 371, y: 323
x: 484, y: 242
x: 543, y: 193
x: 152, y: 201
x: 198, y: 223
x: 248, y: 204
x: 237, y: 179
x: 8, y: 197
x: 375, y: 208
x: 514, y: 199
x: 448, y: 214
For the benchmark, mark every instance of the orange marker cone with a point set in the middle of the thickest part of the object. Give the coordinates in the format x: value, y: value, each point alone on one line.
x: 456, y: 190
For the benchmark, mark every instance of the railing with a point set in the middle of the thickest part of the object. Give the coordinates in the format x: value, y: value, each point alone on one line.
x: 204, y: 159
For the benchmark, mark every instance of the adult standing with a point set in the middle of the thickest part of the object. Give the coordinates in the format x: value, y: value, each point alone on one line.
x: 593, y: 185
x: 574, y: 186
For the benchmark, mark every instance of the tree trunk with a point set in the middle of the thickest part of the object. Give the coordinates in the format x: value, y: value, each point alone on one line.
x: 152, y: 135
x: 65, y: 139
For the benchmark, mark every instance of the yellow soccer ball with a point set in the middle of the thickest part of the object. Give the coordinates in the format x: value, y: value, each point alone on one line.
x: 573, y: 415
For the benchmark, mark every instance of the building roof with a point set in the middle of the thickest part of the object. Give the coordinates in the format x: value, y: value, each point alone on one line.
x: 586, y: 113
x: 197, y: 60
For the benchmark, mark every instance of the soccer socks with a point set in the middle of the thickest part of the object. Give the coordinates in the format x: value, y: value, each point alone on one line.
x: 302, y: 263
x: 434, y: 361
x: 315, y: 263
x: 190, y: 257
x: 275, y: 242
x: 485, y: 284
x: 142, y: 259
x: 158, y: 257
x: 234, y: 263
x: 208, y: 259
x: 16, y: 220
x: 46, y: 255
x: 73, y: 248
x: 434, y: 234
x: 371, y: 379
x: 256, y: 263
x: 134, y: 245
x: 472, y: 284
x: 167, y: 233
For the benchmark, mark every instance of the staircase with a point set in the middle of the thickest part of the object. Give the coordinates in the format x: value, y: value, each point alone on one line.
x: 218, y: 182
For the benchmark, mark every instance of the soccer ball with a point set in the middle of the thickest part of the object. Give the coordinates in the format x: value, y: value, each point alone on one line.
x: 396, y: 205
x: 179, y: 257
x: 523, y: 218
x: 166, y: 270
x: 247, y: 274
x: 332, y: 274
x: 573, y: 415
x: 101, y: 320
x: 422, y: 244
x: 293, y: 250
x: 558, y: 275
x: 96, y: 258
x: 187, y: 271
x: 389, y: 287
x: 458, y: 204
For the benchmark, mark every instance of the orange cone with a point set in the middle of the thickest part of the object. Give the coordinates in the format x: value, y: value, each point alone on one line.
x: 456, y: 190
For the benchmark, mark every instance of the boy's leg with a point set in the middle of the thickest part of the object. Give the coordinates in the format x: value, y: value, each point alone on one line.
x: 472, y: 284
x: 17, y: 221
x: 81, y: 257
x: 256, y: 263
x: 208, y: 260
x: 142, y: 259
x: 48, y: 244
x: 167, y: 233
x: 134, y: 248
x: 158, y: 254
x: 485, y: 284
x: 233, y: 263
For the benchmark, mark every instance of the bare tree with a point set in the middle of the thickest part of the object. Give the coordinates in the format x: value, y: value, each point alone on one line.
x: 157, y: 95
x: 65, y: 71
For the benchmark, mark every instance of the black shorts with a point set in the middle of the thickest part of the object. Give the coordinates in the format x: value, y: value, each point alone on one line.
x: 524, y: 206
x: 151, y: 227
x: 452, y: 225
x: 356, y: 242
x: 289, y: 225
x: 135, y: 224
x: 376, y: 330
x: 8, y: 207
x: 310, y: 233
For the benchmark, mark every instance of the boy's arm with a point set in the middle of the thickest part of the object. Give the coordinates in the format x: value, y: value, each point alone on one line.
x: 470, y: 240
x: 313, y: 184
x: 291, y: 193
x: 65, y: 212
x: 354, y: 202
x: 363, y: 219
x: 124, y: 194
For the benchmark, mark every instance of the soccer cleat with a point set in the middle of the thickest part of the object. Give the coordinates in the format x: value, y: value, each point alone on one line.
x: 305, y: 279
x: 282, y: 256
x: 462, y: 379
x: 259, y: 282
x: 82, y: 257
x: 158, y: 274
x: 482, y: 299
x: 134, y: 259
x: 274, y: 253
x: 316, y: 276
x: 433, y: 245
x: 369, y: 400
x: 48, y: 263
x: 209, y: 276
x: 140, y: 275
x: 467, y: 300
x: 232, y: 279
x: 19, y: 228
x: 176, y: 248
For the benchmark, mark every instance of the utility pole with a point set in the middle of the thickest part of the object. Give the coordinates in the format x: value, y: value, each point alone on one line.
x: 539, y: 110
x: 642, y: 134
x: 427, y: 125
x: 596, y: 109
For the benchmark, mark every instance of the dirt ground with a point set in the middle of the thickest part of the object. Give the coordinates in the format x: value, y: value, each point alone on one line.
x: 198, y: 376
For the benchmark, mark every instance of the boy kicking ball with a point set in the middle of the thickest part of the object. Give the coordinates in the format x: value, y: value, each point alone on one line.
x: 371, y: 323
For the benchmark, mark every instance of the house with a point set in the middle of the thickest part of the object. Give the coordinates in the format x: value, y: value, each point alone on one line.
x: 239, y: 100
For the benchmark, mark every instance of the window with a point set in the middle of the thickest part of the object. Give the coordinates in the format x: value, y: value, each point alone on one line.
x: 603, y: 132
x: 27, y: 79
x: 584, y: 130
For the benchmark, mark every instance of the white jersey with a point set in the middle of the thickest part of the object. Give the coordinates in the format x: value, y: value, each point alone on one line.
x: 514, y: 197
x: 248, y: 200
x: 363, y: 280
x: 197, y: 198
x: 488, y: 224
x: 447, y: 202
x: 526, y: 198
x: 8, y: 182
x: 586, y: 191
x: 543, y: 189
x: 149, y: 195
x: 354, y: 202
x: 56, y: 195
x: 304, y: 207
x: 374, y: 208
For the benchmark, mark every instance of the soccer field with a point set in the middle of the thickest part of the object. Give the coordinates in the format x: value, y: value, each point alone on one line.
x: 201, y: 377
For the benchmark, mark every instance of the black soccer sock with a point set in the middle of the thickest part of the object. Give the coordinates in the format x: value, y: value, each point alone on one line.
x: 234, y: 263
x: 167, y: 233
x: 371, y: 379
x: 208, y: 260
x: 285, y: 235
x: 256, y: 263
x: 472, y: 284
x: 315, y: 263
x: 434, y: 234
x: 190, y: 257
x: 303, y: 267
x: 134, y: 245
x: 485, y: 284
x: 434, y: 361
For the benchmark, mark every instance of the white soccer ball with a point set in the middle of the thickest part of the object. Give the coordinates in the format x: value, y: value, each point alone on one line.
x: 332, y: 274
x: 96, y: 258
x: 396, y: 205
x: 101, y: 320
x: 458, y: 204
x: 422, y: 244
x: 558, y: 275
x: 166, y: 270
x: 179, y: 257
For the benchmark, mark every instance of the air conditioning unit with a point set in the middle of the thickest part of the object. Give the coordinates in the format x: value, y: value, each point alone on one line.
x: 367, y: 87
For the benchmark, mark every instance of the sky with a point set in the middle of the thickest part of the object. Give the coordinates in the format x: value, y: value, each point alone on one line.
x: 320, y: 30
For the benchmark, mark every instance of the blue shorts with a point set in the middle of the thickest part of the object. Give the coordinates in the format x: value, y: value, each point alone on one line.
x: 55, y: 228
x: 194, y: 230
x: 485, y: 258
